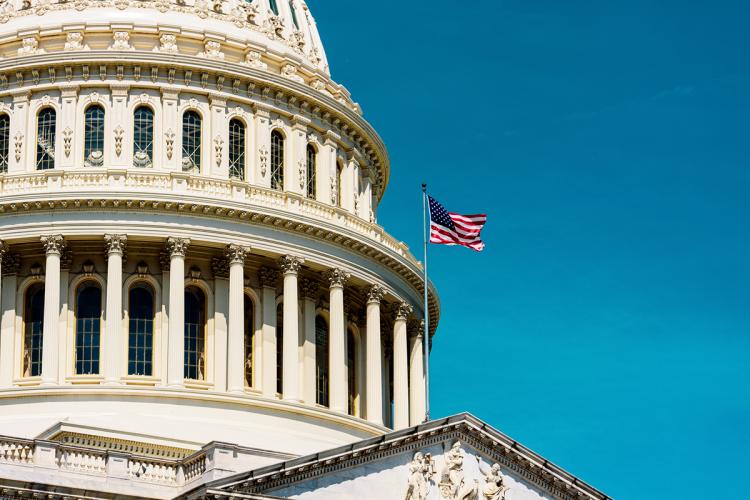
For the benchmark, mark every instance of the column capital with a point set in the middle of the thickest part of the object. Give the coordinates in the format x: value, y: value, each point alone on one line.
x: 177, y: 247
x: 403, y: 311
x: 53, y: 244
x: 268, y: 277
x: 308, y: 288
x: 337, y: 277
x: 3, y: 249
x: 115, y: 243
x: 375, y: 294
x: 290, y: 264
x: 236, y: 254
x: 220, y: 267
x: 10, y: 264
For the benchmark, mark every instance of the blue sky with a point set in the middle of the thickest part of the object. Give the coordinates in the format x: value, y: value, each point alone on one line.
x: 607, y: 325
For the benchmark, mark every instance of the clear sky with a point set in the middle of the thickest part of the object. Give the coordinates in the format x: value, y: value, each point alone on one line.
x: 607, y: 325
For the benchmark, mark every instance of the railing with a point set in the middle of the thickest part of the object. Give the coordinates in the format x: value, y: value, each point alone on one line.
x: 82, y: 460
x: 154, y: 471
x: 16, y: 451
x: 56, y: 182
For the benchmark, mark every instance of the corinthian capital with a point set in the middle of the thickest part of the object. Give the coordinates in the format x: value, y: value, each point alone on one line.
x: 290, y: 264
x: 308, y: 288
x: 375, y: 294
x: 403, y: 311
x: 115, y: 243
x: 236, y: 254
x: 337, y: 277
x: 268, y: 277
x: 177, y: 247
x: 3, y: 250
x: 53, y: 244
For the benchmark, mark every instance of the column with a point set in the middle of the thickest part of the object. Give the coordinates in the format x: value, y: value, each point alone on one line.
x: 309, y: 289
x: 374, y: 356
x: 268, y: 278
x: 290, y: 265
x: 177, y: 248
x: 235, y: 255
x: 53, y: 246
x: 220, y: 269
x: 8, y: 303
x: 66, y: 341
x: 401, y: 368
x: 416, y: 377
x: 337, y: 369
x: 112, y: 345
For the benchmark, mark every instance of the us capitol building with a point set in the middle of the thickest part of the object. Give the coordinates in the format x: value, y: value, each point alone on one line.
x: 196, y: 298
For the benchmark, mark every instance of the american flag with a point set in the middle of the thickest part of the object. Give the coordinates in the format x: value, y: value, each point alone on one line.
x: 448, y: 228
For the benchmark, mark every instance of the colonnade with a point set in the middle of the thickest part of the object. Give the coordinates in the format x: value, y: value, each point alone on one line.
x: 298, y: 295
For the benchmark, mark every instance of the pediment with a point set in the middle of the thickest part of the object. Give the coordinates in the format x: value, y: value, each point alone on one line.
x: 458, y: 458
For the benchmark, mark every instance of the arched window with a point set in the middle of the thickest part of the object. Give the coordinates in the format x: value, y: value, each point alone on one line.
x: 88, y: 328
x: 321, y: 361
x: 4, y: 142
x: 191, y: 141
x: 93, y: 140
x: 339, y: 178
x: 312, y: 156
x: 280, y: 347
x: 351, y: 366
x: 277, y: 160
x: 236, y: 149
x: 141, y: 330
x: 33, y: 326
x: 274, y: 7
x: 143, y: 137
x: 294, y: 15
x: 46, y: 126
x: 249, y: 341
x: 195, y: 333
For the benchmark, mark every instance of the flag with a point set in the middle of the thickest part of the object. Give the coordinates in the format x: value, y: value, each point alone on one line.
x: 448, y: 228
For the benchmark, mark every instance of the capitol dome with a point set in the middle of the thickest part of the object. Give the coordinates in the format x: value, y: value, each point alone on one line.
x: 190, y: 247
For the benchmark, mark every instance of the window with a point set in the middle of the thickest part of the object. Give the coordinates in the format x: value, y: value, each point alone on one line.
x: 311, y: 168
x: 45, y: 139
x: 277, y: 160
x: 351, y: 366
x: 274, y: 7
x: 294, y: 15
x: 339, y: 178
x: 141, y: 330
x: 280, y: 347
x: 195, y: 334
x: 236, y: 149
x: 33, y: 326
x: 191, y: 141
x: 249, y: 339
x: 93, y: 141
x: 143, y: 137
x: 88, y: 328
x: 321, y: 361
x: 4, y: 142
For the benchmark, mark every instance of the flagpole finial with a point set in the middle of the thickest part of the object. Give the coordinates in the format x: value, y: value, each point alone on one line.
x: 424, y: 187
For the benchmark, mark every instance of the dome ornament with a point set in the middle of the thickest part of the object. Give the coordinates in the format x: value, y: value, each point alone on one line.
x: 121, y: 41
x: 30, y: 46
x: 254, y: 60
x: 67, y: 140
x: 167, y: 44
x: 74, y: 41
x: 212, y: 50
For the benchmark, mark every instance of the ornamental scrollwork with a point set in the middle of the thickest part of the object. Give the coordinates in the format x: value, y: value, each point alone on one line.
x: 337, y: 277
x: 115, y: 243
x: 212, y: 50
x: 30, y: 46
x: 18, y: 145
x: 169, y: 136
x: 403, y: 311
x: 290, y: 264
x: 74, y: 41
x: 290, y: 71
x: 177, y: 247
x: 167, y: 44
x: 121, y: 41
x: 375, y: 294
x: 236, y: 254
x: 53, y: 244
x: 67, y: 141
x: 119, y: 134
x: 254, y: 59
x: 263, y: 156
x: 218, y: 149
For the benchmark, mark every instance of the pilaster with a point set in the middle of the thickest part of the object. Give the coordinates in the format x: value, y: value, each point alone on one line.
x: 172, y: 154
x: 120, y: 151
x: 219, y: 127
x: 20, y: 130
x: 262, y: 154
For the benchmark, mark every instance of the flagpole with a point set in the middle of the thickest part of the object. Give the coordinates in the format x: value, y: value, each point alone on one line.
x: 426, y: 311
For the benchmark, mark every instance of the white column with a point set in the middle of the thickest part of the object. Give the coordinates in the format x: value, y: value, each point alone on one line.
x: 221, y: 322
x: 177, y: 248
x: 113, y: 346
x: 53, y: 246
x: 268, y: 278
x: 337, y: 369
x: 309, y: 289
x: 8, y: 305
x: 235, y: 255
x: 416, y: 378
x: 290, y: 265
x: 374, y: 356
x: 401, y: 368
